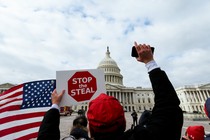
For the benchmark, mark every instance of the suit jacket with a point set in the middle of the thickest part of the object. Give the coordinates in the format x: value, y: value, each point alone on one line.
x: 49, y: 129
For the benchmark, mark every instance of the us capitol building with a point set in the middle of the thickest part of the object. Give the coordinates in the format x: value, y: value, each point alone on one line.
x: 192, y: 98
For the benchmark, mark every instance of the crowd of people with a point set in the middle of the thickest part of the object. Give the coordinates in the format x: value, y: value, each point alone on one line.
x: 105, y: 119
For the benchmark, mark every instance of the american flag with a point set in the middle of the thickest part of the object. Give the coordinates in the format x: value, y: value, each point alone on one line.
x: 22, y: 109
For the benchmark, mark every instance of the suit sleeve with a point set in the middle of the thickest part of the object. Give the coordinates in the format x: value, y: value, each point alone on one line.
x: 49, y: 129
x: 167, y: 119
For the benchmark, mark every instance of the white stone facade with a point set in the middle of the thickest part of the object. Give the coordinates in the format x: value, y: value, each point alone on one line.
x: 192, y: 98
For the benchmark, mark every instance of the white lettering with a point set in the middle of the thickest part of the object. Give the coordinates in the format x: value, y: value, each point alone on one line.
x: 89, y: 79
x: 81, y: 80
x: 82, y: 91
x: 73, y: 92
x: 74, y: 81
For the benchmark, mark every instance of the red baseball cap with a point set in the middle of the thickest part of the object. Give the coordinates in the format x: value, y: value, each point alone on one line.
x: 196, y: 132
x: 106, y: 115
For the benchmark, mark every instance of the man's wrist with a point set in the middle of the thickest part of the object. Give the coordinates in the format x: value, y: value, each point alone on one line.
x: 151, y: 65
x: 55, y: 106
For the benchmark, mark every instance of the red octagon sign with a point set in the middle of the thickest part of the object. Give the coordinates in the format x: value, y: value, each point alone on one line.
x: 82, y: 86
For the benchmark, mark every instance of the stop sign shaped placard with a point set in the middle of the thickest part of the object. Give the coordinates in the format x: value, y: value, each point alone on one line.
x: 82, y: 86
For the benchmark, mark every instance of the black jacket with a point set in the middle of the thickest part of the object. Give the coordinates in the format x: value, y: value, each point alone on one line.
x: 166, y: 120
x: 49, y: 129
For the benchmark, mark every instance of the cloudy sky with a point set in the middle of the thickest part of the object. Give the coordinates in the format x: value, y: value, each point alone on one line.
x: 38, y: 38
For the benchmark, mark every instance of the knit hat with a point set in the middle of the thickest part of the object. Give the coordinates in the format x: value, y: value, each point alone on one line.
x: 105, y: 115
x: 196, y: 132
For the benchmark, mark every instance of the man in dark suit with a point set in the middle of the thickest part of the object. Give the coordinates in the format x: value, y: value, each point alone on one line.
x: 135, y: 117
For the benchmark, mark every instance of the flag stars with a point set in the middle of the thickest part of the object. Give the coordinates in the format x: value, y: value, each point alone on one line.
x: 38, y: 94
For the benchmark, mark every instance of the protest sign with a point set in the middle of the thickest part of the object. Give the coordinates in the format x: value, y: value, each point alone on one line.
x: 80, y: 85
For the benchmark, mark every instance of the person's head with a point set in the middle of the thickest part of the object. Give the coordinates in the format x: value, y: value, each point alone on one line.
x: 145, y: 117
x: 194, y: 133
x: 106, y: 117
x: 79, y: 129
x: 80, y: 121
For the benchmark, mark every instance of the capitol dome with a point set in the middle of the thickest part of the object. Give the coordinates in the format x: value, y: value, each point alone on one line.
x: 111, y: 70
